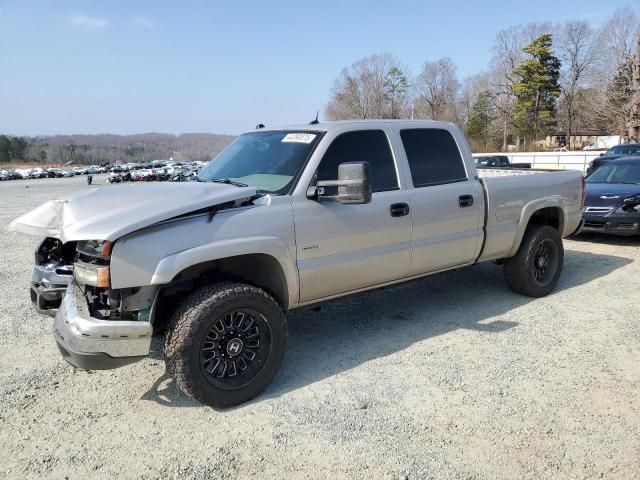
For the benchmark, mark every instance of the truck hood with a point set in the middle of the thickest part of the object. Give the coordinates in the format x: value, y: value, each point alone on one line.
x: 108, y: 213
x: 609, y: 194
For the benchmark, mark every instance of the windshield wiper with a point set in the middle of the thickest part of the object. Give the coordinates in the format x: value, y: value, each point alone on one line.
x: 228, y: 181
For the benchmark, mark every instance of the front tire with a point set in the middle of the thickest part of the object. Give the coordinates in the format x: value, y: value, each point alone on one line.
x: 535, y: 269
x: 225, y: 343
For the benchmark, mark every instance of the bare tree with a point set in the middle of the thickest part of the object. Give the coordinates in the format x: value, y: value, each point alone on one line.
x: 620, y: 34
x: 437, y: 88
x: 578, y: 51
x: 612, y: 78
x: 361, y: 90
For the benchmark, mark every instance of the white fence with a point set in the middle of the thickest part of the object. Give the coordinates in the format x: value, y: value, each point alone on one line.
x: 559, y: 160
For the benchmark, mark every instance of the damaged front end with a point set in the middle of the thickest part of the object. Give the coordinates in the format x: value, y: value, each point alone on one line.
x: 102, y: 324
x: 98, y: 327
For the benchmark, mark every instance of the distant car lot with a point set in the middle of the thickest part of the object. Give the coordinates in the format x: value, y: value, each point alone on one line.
x: 154, y: 170
x: 454, y: 377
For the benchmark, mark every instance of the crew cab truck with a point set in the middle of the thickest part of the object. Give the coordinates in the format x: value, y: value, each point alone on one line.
x: 282, y: 218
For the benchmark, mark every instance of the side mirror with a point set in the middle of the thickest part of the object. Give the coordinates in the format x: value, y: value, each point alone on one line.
x: 354, y: 184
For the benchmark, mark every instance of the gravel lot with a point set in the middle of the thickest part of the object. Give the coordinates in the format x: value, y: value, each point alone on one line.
x: 453, y: 377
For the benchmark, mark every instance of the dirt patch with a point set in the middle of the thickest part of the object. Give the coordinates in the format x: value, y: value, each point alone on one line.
x: 453, y: 376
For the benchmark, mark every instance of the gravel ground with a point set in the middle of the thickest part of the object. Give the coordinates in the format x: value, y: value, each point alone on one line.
x: 453, y: 377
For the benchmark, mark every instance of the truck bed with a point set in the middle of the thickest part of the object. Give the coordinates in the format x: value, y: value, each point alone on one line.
x: 509, y: 196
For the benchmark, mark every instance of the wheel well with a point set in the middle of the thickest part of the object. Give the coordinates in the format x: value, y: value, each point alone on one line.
x: 551, y: 216
x: 260, y: 270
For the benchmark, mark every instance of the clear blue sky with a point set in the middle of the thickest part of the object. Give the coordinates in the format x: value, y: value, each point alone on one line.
x: 223, y: 66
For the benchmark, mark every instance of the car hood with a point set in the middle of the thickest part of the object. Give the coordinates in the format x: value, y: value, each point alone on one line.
x: 108, y: 213
x: 609, y: 194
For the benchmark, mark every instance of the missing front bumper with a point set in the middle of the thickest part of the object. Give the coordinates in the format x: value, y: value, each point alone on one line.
x: 92, y: 344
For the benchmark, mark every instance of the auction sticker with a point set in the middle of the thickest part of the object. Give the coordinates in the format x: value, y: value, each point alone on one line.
x: 299, y: 138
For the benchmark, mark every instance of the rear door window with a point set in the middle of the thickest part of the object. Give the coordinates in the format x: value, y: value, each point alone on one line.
x: 433, y: 156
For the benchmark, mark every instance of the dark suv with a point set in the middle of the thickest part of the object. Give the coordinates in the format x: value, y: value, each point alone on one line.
x: 613, y: 153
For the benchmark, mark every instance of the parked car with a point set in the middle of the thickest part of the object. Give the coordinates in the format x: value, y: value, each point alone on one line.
x: 612, y: 204
x: 22, y: 173
x: 56, y: 173
x: 114, y: 178
x: 142, y: 175
x: 37, y: 173
x: 282, y: 219
x: 497, y: 161
x: 593, y: 146
x: 613, y: 153
x: 183, y: 176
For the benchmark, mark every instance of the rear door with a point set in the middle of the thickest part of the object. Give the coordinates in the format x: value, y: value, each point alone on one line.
x: 341, y: 248
x: 447, y: 202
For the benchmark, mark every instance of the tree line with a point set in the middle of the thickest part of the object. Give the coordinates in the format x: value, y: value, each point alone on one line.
x: 542, y: 78
x: 106, y: 148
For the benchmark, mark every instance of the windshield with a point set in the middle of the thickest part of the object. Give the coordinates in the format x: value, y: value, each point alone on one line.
x: 624, y: 150
x: 616, y: 173
x: 269, y: 161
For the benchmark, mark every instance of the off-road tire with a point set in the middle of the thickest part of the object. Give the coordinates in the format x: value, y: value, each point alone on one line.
x: 192, y: 321
x: 519, y: 271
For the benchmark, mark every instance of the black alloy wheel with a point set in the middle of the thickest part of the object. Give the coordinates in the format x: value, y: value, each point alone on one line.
x: 545, y: 262
x: 235, y: 349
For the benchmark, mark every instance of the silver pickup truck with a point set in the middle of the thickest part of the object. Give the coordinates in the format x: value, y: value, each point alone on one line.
x: 283, y: 218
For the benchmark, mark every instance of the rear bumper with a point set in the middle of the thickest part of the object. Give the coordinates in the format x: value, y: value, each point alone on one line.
x: 614, y: 224
x: 92, y: 344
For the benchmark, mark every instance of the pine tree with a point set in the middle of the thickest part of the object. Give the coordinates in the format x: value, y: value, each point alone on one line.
x: 480, y: 118
x: 395, y: 90
x: 536, y: 89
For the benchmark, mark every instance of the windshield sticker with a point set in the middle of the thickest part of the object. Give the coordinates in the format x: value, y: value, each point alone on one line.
x: 298, y: 138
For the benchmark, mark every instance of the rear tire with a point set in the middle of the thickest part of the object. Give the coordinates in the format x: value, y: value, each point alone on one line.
x: 535, y: 269
x: 225, y: 343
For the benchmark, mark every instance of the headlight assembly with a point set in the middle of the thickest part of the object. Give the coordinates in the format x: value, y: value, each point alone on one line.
x: 92, y: 263
x: 631, y: 204
x: 95, y: 248
x: 96, y: 275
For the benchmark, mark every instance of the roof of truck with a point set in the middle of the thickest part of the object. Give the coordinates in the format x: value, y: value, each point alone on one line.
x: 325, y: 126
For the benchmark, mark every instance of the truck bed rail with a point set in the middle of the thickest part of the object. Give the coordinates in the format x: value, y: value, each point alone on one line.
x: 506, y: 172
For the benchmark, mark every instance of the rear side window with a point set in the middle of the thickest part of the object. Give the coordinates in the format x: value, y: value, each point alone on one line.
x: 362, y: 146
x: 433, y: 157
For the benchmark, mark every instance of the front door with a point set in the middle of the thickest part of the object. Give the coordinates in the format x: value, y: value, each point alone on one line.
x: 341, y: 248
